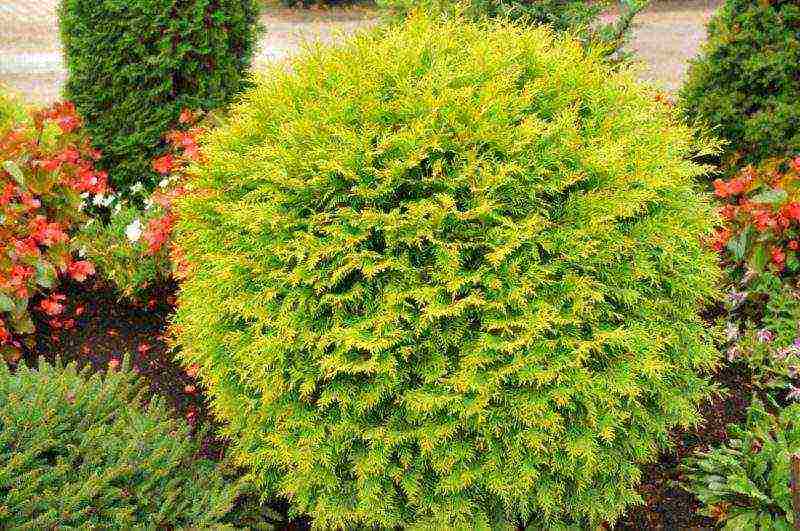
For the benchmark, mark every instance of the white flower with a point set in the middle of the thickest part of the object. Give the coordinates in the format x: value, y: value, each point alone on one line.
x: 134, y: 230
x: 117, y: 208
x: 163, y: 183
x: 136, y: 188
x: 733, y: 353
x: 103, y: 200
x: 82, y: 252
x: 732, y: 331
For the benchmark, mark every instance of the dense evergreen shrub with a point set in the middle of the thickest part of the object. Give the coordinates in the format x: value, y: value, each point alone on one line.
x: 745, y: 82
x: 447, y: 275
x: 744, y: 483
x: 135, y: 64
x: 79, y: 452
x: 559, y: 14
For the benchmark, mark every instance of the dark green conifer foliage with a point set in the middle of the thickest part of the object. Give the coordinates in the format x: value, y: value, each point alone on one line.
x: 448, y: 275
x: 134, y: 64
x: 79, y: 452
x: 746, y: 82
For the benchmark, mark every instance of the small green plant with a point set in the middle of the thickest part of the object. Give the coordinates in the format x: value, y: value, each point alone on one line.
x: 78, y: 451
x: 134, y: 65
x: 744, y: 84
x: 448, y: 275
x: 120, y: 255
x: 745, y: 483
x: 761, y: 329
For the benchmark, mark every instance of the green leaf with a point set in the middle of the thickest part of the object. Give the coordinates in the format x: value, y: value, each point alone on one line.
x: 6, y: 303
x: 759, y: 259
x: 743, y: 522
x: 738, y: 246
x: 14, y: 170
x: 45, y: 274
x: 792, y: 263
x: 773, y: 196
x: 23, y: 324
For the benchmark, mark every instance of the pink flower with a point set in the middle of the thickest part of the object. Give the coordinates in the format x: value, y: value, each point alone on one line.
x: 46, y: 233
x: 80, y: 270
x: 52, y: 305
x: 68, y: 123
x: 164, y: 164
x: 187, y: 116
x: 765, y: 336
x: 5, y: 336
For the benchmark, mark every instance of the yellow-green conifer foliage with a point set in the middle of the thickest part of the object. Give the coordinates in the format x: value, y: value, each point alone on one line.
x: 447, y: 275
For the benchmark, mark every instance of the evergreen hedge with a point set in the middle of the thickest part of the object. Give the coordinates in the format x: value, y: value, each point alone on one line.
x: 448, y: 275
x: 133, y: 65
x: 746, y: 82
x: 79, y: 452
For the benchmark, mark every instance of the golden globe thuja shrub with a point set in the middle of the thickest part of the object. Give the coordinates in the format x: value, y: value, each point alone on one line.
x: 447, y: 275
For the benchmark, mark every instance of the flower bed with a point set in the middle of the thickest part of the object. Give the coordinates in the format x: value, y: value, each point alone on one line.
x: 516, y: 224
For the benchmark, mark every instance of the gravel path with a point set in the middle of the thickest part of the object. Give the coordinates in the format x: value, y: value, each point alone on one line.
x: 30, y: 54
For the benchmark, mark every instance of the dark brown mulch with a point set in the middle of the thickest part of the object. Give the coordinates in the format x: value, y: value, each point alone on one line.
x: 106, y: 329
x: 667, y: 505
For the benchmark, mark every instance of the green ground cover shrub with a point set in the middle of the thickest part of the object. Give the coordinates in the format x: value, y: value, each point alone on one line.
x: 133, y: 65
x: 744, y: 484
x: 447, y: 275
x: 745, y: 85
x: 77, y: 451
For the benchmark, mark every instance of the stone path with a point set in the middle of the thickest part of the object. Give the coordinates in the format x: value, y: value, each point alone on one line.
x: 30, y: 54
